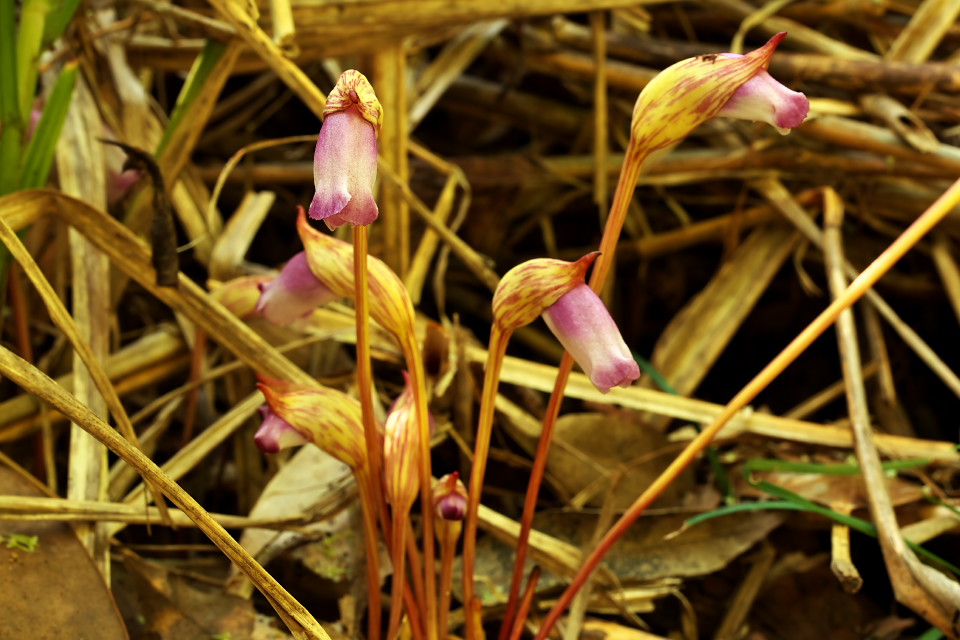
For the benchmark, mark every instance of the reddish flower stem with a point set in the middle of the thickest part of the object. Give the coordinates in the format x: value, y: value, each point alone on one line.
x: 495, y: 354
x: 370, y: 432
x: 414, y: 362
x: 608, y: 244
x: 869, y: 277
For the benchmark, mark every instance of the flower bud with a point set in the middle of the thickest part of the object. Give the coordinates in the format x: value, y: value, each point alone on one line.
x: 450, y: 497
x: 401, y: 452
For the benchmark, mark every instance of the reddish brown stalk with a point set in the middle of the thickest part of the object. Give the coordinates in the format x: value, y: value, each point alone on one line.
x: 418, y: 384
x: 496, y: 352
x: 399, y: 571
x: 608, y: 244
x: 18, y: 305
x: 449, y: 532
x: 193, y: 397
x: 416, y: 568
x: 798, y: 345
x: 525, y: 603
x: 371, y: 435
x: 367, y: 508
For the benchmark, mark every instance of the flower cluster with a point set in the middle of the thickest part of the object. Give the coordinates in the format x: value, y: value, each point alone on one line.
x: 345, y: 170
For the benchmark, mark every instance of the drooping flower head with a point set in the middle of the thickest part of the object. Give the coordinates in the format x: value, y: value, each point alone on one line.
x: 526, y: 290
x: 294, y: 293
x: 578, y: 318
x: 326, y: 417
x: 331, y: 261
x: 692, y: 91
x: 345, y: 160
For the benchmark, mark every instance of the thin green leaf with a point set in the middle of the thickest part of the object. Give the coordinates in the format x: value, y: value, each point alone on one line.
x: 57, y: 20
x: 203, y: 66
x: 764, y: 464
x: 33, y: 16
x: 39, y: 156
x: 11, y: 124
x: 793, y: 502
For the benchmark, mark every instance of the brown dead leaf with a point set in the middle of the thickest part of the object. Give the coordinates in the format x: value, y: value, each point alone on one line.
x: 54, y: 591
x: 831, y: 489
x: 647, y: 552
x: 162, y: 605
x: 604, y: 449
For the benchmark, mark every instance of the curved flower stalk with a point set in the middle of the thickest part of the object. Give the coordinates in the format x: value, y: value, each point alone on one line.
x: 345, y: 160
x: 293, y: 294
x: 524, y: 293
x: 679, y: 99
x: 450, y: 507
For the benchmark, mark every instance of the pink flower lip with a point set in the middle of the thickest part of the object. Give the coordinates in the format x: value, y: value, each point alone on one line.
x: 275, y: 433
x: 584, y: 327
x: 293, y: 294
x: 762, y: 98
x: 345, y: 169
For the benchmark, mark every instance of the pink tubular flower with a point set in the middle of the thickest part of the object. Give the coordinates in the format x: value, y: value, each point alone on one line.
x: 582, y: 324
x: 293, y: 294
x: 763, y: 99
x: 686, y: 94
x: 276, y: 433
x: 345, y: 160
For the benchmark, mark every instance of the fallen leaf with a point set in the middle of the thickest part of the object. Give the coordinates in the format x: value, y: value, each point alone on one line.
x: 54, y: 591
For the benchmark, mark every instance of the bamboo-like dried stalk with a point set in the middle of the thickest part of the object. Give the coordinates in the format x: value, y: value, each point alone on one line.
x: 920, y: 587
x: 923, y: 33
x: 780, y: 197
x: 80, y: 165
x: 231, y: 246
x: 298, y: 619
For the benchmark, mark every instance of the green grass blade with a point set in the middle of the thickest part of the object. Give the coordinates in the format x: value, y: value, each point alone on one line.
x: 61, y: 13
x: 33, y: 16
x: 11, y: 133
x: 39, y: 156
x: 203, y: 66
x: 763, y: 464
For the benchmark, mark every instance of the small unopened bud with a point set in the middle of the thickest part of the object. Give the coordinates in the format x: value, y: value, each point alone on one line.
x: 450, y: 497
